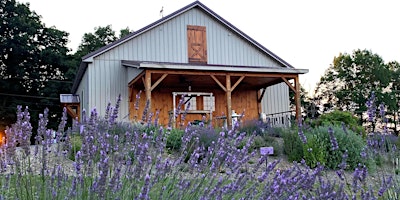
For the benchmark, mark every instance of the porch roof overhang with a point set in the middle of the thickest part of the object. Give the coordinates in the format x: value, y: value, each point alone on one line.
x: 179, y: 74
x: 208, y: 67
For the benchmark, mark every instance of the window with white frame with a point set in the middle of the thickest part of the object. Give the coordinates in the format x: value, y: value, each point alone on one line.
x: 192, y: 101
x: 209, y: 103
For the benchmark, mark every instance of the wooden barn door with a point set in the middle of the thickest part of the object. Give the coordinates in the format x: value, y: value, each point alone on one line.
x: 197, y: 44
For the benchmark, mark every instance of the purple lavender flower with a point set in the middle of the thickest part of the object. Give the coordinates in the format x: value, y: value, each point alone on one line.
x: 382, y: 110
x: 144, y: 194
x: 301, y: 134
x: 332, y: 137
x: 371, y: 107
x: 156, y: 119
x: 344, y: 128
x: 385, y: 185
x: 113, y: 112
x: 137, y: 100
x: 145, y: 111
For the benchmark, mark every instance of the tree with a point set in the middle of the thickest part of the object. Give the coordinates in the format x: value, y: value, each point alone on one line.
x: 350, y: 80
x: 32, y: 63
x: 309, y: 109
x: 102, y: 36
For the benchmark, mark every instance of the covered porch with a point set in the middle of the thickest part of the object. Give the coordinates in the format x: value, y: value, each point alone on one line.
x: 233, y: 88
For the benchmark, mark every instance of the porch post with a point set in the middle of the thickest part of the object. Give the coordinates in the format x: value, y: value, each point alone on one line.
x: 147, y: 88
x: 297, y: 98
x: 228, y: 101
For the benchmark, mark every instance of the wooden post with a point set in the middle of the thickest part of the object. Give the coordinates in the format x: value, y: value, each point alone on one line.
x: 297, y: 98
x: 228, y: 101
x: 147, y: 87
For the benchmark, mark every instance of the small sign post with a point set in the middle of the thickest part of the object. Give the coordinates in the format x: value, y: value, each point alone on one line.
x: 266, y: 151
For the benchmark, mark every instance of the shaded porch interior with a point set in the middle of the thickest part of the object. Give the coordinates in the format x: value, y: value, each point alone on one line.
x: 233, y: 93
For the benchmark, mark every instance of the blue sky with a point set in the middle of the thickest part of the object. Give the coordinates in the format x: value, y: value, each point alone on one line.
x: 308, y: 34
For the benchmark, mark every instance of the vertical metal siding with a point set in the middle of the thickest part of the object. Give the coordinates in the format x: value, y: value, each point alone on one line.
x: 84, y: 88
x: 276, y: 104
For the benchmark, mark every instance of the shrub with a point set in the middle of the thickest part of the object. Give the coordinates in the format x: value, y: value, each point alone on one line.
x: 266, y: 141
x: 337, y: 118
x: 293, y: 146
x: 319, y: 147
x: 76, y: 145
x: 315, y: 150
x: 275, y: 131
x: 252, y: 127
x: 174, y: 139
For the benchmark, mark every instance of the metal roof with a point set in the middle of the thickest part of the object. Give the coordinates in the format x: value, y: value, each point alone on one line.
x: 207, y: 67
x: 69, y: 98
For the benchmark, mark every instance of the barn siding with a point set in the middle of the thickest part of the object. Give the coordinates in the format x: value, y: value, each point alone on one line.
x: 276, y: 101
x: 107, y: 80
x: 168, y: 43
x: 84, y: 88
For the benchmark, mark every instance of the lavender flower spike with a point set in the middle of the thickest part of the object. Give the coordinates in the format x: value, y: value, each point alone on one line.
x: 301, y: 134
x: 334, y: 142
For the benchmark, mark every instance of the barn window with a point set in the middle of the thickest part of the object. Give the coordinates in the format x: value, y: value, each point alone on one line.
x: 197, y: 44
x: 209, y: 103
x: 192, y: 101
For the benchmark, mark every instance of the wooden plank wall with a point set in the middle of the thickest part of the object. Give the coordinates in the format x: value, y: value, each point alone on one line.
x: 242, y: 101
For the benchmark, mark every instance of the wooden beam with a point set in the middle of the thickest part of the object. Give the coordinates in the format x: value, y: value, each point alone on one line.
x: 237, y: 82
x: 158, y: 81
x: 262, y: 94
x: 75, y: 115
x: 228, y: 101
x: 297, y: 99
x: 219, y: 83
x: 144, y: 81
x: 216, y: 73
x: 289, y: 84
x: 147, y: 87
x: 140, y: 76
x: 130, y: 91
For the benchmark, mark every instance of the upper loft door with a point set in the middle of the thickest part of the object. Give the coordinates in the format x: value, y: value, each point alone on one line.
x: 197, y: 44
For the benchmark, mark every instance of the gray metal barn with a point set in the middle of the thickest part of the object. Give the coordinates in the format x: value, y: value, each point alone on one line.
x: 205, y: 53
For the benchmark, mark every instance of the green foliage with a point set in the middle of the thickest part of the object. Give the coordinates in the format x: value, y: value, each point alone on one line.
x: 33, y: 61
x: 320, y: 143
x: 275, y: 131
x: 315, y: 150
x: 336, y: 118
x: 174, y: 139
x: 265, y: 141
x: 251, y: 127
x: 351, y: 78
x: 318, y: 148
x: 76, y: 145
x: 293, y: 146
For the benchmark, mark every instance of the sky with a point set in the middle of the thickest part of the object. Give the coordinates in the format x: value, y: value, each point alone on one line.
x: 308, y: 34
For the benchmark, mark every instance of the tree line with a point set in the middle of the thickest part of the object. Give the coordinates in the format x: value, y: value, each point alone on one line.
x: 35, y: 63
x: 349, y: 82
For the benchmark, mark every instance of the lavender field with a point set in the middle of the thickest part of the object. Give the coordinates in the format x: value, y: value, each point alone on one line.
x: 101, y: 158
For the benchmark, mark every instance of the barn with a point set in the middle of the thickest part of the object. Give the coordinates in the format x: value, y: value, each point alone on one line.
x: 190, y: 57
